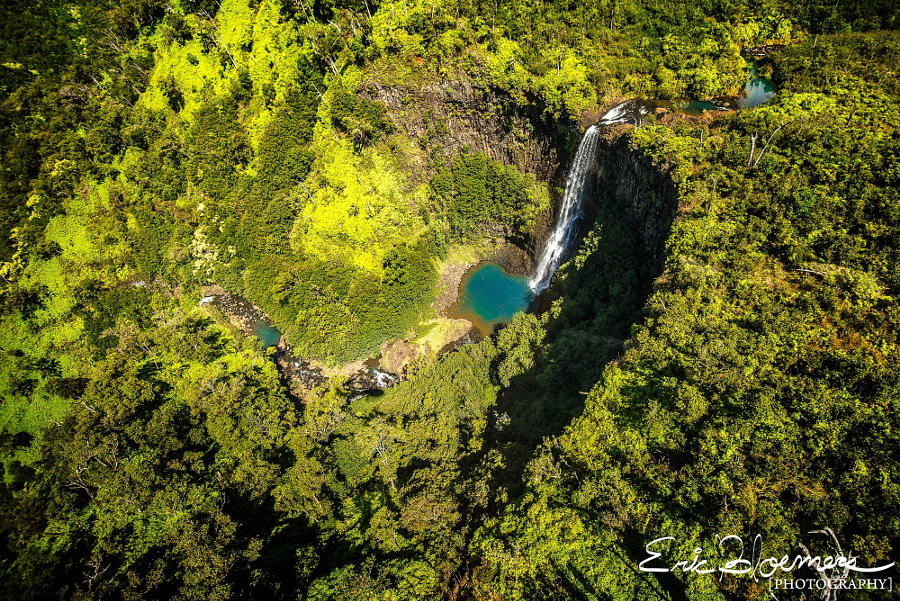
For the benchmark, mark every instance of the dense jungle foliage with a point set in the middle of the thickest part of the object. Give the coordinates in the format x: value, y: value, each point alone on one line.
x: 749, y: 385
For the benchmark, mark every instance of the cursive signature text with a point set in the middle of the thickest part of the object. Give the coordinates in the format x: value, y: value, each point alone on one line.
x: 756, y: 565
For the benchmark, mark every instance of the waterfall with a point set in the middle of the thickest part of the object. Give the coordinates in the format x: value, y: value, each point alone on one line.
x: 564, y: 230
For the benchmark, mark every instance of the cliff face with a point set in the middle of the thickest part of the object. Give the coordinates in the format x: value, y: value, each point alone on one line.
x: 444, y: 117
x: 647, y: 192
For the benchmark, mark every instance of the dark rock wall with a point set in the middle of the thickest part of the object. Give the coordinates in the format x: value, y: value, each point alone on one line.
x: 647, y: 192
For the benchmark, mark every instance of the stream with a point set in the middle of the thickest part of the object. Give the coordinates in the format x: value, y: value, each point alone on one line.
x: 370, y: 379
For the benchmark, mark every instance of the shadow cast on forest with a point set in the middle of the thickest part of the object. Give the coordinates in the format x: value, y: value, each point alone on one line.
x: 600, y: 297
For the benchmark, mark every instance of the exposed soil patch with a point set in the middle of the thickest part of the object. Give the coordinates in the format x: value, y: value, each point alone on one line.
x: 448, y: 285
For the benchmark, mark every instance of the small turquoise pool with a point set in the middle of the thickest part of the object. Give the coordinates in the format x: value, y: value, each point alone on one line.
x: 696, y: 107
x: 267, y: 333
x: 251, y: 317
x: 490, y: 296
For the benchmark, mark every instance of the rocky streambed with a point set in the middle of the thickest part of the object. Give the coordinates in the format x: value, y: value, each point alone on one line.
x: 299, y: 375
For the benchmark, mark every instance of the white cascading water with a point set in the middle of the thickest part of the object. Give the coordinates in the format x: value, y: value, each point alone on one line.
x: 564, y: 231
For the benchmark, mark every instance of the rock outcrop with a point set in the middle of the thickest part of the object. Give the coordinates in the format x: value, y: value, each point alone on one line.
x: 444, y: 117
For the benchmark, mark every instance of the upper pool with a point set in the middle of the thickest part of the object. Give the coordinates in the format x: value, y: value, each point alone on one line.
x: 757, y: 91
